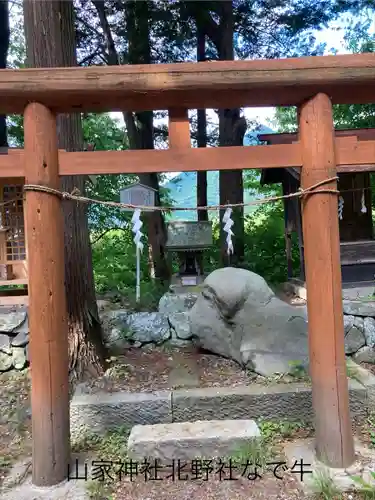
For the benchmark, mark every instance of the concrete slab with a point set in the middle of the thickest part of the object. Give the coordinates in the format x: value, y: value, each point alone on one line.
x: 69, y: 490
x: 319, y: 476
x: 359, y: 290
x: 191, y: 440
x: 350, y: 291
x: 18, y: 485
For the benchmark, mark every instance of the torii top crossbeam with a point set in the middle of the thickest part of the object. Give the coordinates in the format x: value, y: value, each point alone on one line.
x: 280, y: 82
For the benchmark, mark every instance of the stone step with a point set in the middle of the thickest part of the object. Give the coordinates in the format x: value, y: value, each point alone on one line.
x: 188, y: 441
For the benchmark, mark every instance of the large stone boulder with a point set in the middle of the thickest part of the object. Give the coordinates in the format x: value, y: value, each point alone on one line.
x: 239, y: 317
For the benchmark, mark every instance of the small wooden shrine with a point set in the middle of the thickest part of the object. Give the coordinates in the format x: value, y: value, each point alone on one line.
x: 138, y: 194
x: 357, y: 244
x: 189, y: 239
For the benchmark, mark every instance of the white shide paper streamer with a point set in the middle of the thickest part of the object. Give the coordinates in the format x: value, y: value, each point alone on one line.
x: 228, y: 224
x: 341, y: 207
x: 137, y: 224
x: 363, y: 203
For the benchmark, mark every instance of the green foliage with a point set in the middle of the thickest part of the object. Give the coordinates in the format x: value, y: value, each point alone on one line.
x: 366, y: 487
x: 265, y: 244
x: 272, y: 430
x: 359, y: 39
x: 115, y: 265
x: 298, y: 371
x: 324, y: 485
x: 114, y: 262
x: 112, y: 447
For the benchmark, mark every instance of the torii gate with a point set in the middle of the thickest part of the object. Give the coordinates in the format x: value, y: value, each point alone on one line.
x: 312, y: 83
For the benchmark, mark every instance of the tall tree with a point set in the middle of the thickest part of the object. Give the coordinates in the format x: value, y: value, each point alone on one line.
x: 255, y: 29
x: 201, y: 125
x: 4, y: 46
x: 139, y: 126
x: 232, y: 128
x: 50, y: 41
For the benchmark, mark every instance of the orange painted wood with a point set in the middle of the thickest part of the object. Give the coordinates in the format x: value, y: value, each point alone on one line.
x: 179, y: 129
x: 334, y: 439
x: 278, y: 82
x: 363, y: 134
x: 350, y: 153
x: 163, y: 160
x: 10, y: 300
x: 19, y: 268
x: 352, y: 156
x: 47, y: 302
x: 13, y: 282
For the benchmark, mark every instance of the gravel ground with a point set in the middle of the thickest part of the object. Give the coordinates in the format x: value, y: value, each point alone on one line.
x: 15, y: 419
x: 158, y: 368
x: 265, y: 489
x: 166, y: 368
x: 214, y: 489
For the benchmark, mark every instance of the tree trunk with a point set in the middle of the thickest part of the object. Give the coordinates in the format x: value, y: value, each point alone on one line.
x: 232, y: 128
x: 141, y: 134
x: 201, y: 130
x: 50, y: 40
x: 139, y: 126
x: 4, y: 46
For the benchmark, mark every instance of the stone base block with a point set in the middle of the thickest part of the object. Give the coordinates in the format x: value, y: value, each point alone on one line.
x: 281, y: 401
x: 191, y: 440
x: 100, y: 413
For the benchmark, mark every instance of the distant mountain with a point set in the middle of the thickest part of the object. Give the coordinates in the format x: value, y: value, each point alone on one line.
x: 183, y: 187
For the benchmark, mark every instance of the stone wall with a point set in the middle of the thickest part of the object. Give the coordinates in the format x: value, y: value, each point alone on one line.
x: 171, y: 324
x: 359, y: 329
x: 14, y: 339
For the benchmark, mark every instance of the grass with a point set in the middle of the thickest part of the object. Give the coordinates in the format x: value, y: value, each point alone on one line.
x: 324, y: 486
x: 112, y: 450
x: 366, y: 487
x: 267, y: 448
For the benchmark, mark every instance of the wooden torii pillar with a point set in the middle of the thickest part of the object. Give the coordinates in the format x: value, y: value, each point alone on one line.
x: 47, y: 301
x: 334, y: 438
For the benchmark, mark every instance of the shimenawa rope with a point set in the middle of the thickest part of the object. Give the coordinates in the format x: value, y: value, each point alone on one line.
x: 76, y: 196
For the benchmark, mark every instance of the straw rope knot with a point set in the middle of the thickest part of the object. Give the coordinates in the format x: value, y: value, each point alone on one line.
x: 75, y: 195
